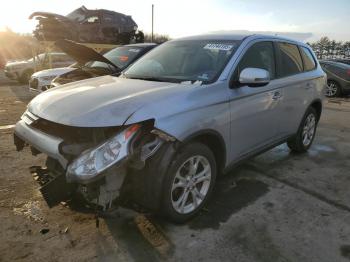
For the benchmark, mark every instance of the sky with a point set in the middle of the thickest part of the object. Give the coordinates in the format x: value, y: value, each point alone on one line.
x: 311, y: 19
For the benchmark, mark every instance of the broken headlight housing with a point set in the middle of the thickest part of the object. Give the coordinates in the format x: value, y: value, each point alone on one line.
x: 94, y: 161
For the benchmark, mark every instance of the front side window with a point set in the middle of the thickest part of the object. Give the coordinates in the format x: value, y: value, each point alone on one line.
x: 260, y: 55
x: 290, y: 60
x: 309, y: 62
x: 184, y: 60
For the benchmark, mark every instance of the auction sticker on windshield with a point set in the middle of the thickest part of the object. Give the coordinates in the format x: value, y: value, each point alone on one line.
x: 223, y: 47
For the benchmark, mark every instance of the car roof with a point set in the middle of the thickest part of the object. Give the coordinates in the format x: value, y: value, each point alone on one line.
x: 239, y: 37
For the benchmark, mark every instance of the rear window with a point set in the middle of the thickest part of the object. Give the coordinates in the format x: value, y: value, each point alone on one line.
x: 290, y: 60
x: 309, y: 62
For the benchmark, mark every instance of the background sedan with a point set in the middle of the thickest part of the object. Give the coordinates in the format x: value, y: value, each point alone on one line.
x: 338, y: 75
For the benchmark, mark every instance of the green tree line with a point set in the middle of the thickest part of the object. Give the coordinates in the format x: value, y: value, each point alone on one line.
x: 326, y: 48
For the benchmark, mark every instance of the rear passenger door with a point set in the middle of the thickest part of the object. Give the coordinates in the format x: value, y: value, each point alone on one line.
x: 296, y: 83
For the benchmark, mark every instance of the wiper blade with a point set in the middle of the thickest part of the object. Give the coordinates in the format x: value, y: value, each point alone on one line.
x: 150, y: 78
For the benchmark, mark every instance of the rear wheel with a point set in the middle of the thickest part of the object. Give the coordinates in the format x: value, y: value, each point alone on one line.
x: 333, y: 89
x: 189, y: 182
x: 302, y: 141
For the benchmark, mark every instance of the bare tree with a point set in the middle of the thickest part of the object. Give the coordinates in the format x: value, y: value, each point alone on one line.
x: 156, y: 38
x: 328, y: 49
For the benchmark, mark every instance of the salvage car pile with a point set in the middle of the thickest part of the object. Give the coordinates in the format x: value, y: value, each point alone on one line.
x: 89, y: 64
x: 87, y: 26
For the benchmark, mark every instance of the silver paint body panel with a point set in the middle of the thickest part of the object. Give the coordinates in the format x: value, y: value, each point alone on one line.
x: 246, y: 118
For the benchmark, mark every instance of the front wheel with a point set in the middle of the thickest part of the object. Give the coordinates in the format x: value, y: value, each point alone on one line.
x: 302, y: 141
x: 189, y: 182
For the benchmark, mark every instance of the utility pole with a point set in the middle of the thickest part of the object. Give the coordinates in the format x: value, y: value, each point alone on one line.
x: 152, y: 22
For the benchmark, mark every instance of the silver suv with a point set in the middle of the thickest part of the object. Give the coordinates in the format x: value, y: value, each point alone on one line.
x: 185, y: 112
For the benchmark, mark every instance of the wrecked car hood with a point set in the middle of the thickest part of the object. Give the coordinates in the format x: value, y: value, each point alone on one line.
x: 104, y: 101
x: 48, y: 15
x: 80, y: 53
x: 53, y: 71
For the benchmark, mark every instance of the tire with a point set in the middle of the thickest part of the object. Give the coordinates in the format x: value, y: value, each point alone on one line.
x: 302, y: 141
x: 333, y: 89
x: 183, y: 198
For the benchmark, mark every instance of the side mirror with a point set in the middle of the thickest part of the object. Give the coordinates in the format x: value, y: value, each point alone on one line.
x: 254, y: 77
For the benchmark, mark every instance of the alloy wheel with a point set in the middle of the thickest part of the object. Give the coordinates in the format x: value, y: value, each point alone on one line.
x: 191, y: 184
x: 309, y: 129
x: 331, y: 89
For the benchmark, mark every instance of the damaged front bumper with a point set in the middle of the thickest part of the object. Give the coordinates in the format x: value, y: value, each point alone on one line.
x: 65, y: 175
x: 42, y: 142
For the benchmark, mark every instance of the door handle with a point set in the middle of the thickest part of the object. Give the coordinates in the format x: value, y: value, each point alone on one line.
x: 276, y: 95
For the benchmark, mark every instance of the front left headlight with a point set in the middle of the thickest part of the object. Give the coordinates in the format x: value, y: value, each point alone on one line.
x: 94, y: 161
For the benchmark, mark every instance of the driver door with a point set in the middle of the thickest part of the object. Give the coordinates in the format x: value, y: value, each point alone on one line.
x: 254, y: 110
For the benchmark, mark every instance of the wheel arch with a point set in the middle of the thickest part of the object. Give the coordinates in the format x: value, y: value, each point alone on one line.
x: 214, y: 141
x: 317, y: 105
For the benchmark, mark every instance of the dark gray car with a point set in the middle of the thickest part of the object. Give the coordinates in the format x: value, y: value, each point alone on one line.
x: 338, y: 78
x: 187, y: 111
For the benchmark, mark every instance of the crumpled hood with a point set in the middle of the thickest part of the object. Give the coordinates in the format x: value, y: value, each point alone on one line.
x: 80, y: 53
x: 49, y: 15
x: 102, y: 101
x: 53, y: 72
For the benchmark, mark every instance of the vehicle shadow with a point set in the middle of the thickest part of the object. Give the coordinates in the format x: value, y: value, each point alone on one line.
x: 229, y: 197
x: 231, y: 194
x: 149, y: 241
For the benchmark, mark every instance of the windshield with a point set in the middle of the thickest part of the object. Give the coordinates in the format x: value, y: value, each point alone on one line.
x: 120, y: 56
x: 184, y: 60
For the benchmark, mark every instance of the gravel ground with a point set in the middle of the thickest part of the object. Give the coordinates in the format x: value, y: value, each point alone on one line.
x: 277, y: 207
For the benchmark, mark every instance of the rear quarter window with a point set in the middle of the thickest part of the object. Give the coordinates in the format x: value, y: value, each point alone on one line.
x: 290, y: 60
x: 308, y: 59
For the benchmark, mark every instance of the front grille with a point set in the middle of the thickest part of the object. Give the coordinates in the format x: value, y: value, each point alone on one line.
x: 74, y: 134
x: 33, y: 83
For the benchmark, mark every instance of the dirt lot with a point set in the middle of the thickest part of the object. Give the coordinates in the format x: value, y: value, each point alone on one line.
x: 276, y: 207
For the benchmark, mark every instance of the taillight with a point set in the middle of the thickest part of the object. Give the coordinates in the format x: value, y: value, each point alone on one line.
x: 348, y: 72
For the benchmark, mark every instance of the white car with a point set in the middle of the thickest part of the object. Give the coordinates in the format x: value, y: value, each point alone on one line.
x: 41, y: 81
x: 22, y: 70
